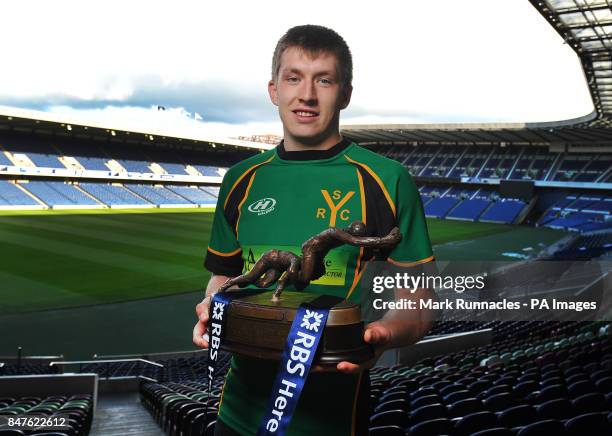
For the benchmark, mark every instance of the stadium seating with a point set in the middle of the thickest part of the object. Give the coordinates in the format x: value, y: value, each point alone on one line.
x: 535, y: 377
x: 90, y: 157
x: 10, y: 195
x: 26, y: 369
x: 469, y: 209
x: 76, y: 409
x: 4, y: 160
x: 177, y: 370
x: 469, y: 204
x: 55, y: 193
x: 158, y: 195
x: 174, y: 168
x: 41, y: 154
x: 209, y: 171
x: 503, y: 211
x: 58, y: 193
x: 586, y: 247
x: 195, y: 195
x: 497, y: 162
x: 212, y: 190
x: 113, y: 195
x: 439, y: 207
x: 581, y: 213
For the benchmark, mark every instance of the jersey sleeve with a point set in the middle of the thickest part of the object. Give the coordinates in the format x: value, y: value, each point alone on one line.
x: 415, y: 247
x: 224, y: 254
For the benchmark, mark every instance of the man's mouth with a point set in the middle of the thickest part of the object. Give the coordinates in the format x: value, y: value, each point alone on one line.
x: 301, y: 113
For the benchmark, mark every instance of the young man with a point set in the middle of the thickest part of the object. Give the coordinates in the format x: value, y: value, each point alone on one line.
x: 313, y: 180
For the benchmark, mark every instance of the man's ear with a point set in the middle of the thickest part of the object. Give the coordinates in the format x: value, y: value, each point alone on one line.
x: 346, y: 97
x: 272, y: 92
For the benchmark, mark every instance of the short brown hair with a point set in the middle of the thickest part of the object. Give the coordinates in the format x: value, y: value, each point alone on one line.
x: 314, y: 40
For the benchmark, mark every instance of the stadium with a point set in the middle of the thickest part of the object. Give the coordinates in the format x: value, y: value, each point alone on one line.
x: 104, y: 232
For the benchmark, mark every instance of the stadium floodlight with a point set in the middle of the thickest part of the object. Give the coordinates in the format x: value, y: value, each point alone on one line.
x: 113, y: 133
x: 214, y: 145
x: 68, y: 127
x: 151, y: 137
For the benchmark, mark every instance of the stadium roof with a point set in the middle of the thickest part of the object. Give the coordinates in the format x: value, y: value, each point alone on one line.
x: 584, y: 24
x: 45, y: 123
x: 575, y: 132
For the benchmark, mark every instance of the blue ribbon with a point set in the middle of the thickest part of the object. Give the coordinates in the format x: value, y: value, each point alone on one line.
x: 217, y: 317
x: 300, y: 348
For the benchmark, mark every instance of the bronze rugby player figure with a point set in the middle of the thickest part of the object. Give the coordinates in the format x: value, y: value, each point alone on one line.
x: 287, y: 267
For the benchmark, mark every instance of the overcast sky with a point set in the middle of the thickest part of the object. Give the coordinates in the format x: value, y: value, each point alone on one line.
x: 415, y: 61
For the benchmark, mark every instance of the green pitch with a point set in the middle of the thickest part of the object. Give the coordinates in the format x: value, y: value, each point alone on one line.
x: 52, y: 259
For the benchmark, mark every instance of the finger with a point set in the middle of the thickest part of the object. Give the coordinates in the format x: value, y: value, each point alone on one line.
x: 198, y: 335
x: 202, y: 310
x: 376, y: 335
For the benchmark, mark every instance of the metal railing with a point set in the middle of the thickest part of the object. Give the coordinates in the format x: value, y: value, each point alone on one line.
x: 106, y: 363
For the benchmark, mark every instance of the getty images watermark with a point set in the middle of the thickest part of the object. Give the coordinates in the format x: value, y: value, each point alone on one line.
x: 481, y: 291
x: 458, y: 284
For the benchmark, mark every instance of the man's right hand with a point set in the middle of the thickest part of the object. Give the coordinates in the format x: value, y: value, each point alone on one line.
x: 199, y: 330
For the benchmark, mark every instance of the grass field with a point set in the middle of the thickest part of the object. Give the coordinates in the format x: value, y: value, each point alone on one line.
x: 58, y: 259
x: 54, y: 259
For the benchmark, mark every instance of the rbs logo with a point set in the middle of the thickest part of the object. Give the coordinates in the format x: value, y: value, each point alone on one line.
x: 263, y: 206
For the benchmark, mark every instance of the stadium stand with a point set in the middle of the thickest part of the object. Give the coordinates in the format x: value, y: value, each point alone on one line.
x: 470, y: 204
x: 496, y: 162
x: 531, y: 375
x: 212, y: 190
x: 195, y: 195
x: 158, y: 195
x: 579, y: 213
x: 58, y: 193
x: 11, y: 195
x: 586, y: 247
x: 210, y: 171
x: 3, y: 159
x: 504, y: 210
x: 469, y: 209
x: 26, y: 369
x: 76, y: 409
x: 103, y: 158
x: 113, y: 195
x: 39, y: 153
x: 173, y: 168
x: 439, y: 207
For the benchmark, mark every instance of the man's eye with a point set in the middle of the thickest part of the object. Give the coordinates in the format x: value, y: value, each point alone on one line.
x: 292, y: 79
x: 325, y: 81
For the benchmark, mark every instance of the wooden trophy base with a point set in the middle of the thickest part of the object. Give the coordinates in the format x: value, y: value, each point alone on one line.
x: 258, y: 327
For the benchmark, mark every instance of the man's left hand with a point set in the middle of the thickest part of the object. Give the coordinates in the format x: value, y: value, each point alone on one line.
x: 377, y: 334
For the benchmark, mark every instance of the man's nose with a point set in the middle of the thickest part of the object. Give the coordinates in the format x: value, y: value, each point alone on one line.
x: 309, y: 92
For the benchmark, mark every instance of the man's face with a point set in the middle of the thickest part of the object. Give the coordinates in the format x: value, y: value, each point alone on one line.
x: 309, y: 97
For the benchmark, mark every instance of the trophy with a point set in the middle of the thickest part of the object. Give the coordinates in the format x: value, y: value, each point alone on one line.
x: 258, y: 323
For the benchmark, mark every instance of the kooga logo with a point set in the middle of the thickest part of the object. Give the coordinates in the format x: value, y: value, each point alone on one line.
x: 263, y: 206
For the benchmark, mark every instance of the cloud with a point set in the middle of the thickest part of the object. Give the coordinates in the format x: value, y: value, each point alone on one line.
x: 214, y: 100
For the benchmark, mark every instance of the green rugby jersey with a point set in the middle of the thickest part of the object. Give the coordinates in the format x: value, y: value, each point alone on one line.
x: 278, y: 199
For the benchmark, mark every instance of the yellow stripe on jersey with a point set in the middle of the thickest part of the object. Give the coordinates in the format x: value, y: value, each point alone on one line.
x: 395, y: 262
x: 246, y: 194
x: 377, y: 179
x: 242, y: 177
x: 218, y: 253
x: 362, y: 193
